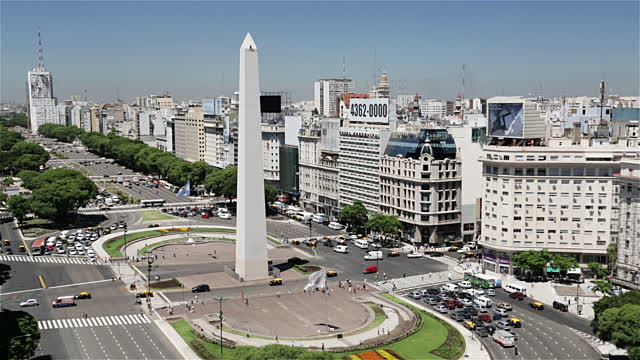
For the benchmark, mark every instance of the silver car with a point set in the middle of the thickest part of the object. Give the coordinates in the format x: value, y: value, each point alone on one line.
x: 415, y: 295
x: 441, y: 309
x: 503, y: 325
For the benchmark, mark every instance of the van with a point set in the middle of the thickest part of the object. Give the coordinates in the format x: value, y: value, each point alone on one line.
x: 362, y: 244
x: 64, y: 234
x: 449, y: 288
x: 319, y: 218
x: 483, y: 301
x: 373, y: 255
x: 511, y: 288
x: 341, y: 249
x: 335, y: 226
x: 504, y: 338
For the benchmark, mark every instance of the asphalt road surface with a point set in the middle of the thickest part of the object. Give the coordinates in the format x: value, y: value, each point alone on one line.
x: 545, y: 334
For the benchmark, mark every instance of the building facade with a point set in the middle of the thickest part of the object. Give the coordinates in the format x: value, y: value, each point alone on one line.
x: 627, y: 267
x: 359, y: 165
x: 326, y: 93
x: 41, y: 103
x: 272, y: 139
x: 289, y: 171
x: 560, y: 198
x: 421, y: 184
x: 189, y: 134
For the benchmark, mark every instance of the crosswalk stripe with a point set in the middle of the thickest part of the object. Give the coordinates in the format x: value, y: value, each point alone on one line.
x: 75, y: 323
x: 99, y: 321
x: 146, y: 319
x: 111, y: 321
x: 40, y: 325
x: 50, y: 324
x: 65, y: 324
x: 133, y: 319
x: 124, y: 321
x: 58, y: 324
x: 84, y: 322
x: 139, y: 318
x: 116, y: 321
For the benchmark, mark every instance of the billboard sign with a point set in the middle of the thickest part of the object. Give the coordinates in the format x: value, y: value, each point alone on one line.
x: 270, y: 104
x: 505, y: 120
x: 369, y: 110
x: 212, y: 106
x: 40, y: 86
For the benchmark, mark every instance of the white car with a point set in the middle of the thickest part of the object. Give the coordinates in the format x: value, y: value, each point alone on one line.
x: 80, y: 251
x: 59, y: 242
x: 61, y: 250
x: 91, y: 253
x: 466, y: 302
x: 465, y: 285
x: 225, y: 216
x: 376, y: 245
x: 414, y: 255
x: 73, y: 251
x: 341, y: 249
x: 30, y: 302
x: 464, y: 250
x: 79, y: 246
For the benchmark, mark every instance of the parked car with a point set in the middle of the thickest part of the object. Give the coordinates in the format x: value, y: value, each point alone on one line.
x: 485, y: 317
x: 83, y: 295
x: 505, y: 306
x: 457, y: 316
x: 225, y: 216
x: 276, y: 282
x: 441, y: 309
x: 393, y: 254
x: 491, y: 292
x: 517, y: 295
x: 499, y: 311
x: 341, y: 249
x: 482, y: 331
x: 436, y: 254
x: 415, y: 295
x: 503, y: 325
x: 537, y: 305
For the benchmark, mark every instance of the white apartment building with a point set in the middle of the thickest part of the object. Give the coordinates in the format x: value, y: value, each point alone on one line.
x: 469, y: 142
x: 359, y: 164
x: 326, y: 93
x: 382, y: 89
x: 420, y: 183
x: 405, y: 100
x: 214, y: 142
x: 41, y: 103
x: 318, y: 171
x: 560, y: 197
x: 189, y: 134
x: 272, y: 139
x: 433, y: 108
x: 627, y: 268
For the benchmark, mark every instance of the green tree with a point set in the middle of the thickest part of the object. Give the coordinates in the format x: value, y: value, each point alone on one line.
x: 8, y: 139
x: 222, y: 182
x: 279, y: 352
x: 598, y: 270
x: 603, y: 285
x: 532, y: 260
x: 563, y: 263
x: 19, y: 207
x: 634, y: 353
x: 355, y: 215
x: 28, y: 177
x: 8, y: 181
x: 609, y: 302
x: 19, y: 334
x: 270, y: 194
x: 621, y: 325
x: 28, y: 156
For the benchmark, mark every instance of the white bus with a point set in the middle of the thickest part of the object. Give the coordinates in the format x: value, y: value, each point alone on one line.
x: 152, y: 203
x: 511, y: 288
x: 319, y: 218
x: 362, y: 244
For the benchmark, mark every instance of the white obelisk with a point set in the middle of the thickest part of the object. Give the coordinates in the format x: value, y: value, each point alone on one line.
x: 251, y: 243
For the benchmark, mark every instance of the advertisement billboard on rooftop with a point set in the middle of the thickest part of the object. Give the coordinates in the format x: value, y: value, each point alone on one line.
x: 369, y: 110
x: 505, y: 120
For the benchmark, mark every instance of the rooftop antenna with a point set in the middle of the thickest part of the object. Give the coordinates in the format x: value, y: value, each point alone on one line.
x: 602, y: 90
x: 40, y: 52
x: 462, y: 93
x: 344, y: 67
x: 375, y: 66
x: 85, y: 94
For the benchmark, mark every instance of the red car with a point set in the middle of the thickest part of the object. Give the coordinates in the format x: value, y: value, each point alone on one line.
x: 452, y: 304
x: 485, y: 317
x: 205, y: 216
x: 517, y: 295
x: 371, y: 269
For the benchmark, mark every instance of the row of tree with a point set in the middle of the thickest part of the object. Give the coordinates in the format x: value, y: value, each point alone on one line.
x: 16, y: 154
x: 14, y: 120
x: 536, y: 261
x: 56, y: 194
x: 617, y: 319
x: 356, y: 216
x: 138, y: 156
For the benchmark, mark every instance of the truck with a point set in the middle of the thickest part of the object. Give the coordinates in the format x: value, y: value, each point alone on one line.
x: 64, y: 301
x: 120, y: 179
x: 374, y: 255
x: 37, y: 248
x: 504, y: 338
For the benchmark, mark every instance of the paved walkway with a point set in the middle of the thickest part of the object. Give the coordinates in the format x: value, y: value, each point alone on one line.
x: 393, y: 312
x: 418, y: 281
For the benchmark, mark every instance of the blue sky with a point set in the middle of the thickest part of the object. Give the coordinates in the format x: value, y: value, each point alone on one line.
x: 190, y: 49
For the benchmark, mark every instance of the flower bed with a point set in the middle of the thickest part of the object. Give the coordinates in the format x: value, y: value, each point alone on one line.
x: 370, y: 355
x: 389, y: 354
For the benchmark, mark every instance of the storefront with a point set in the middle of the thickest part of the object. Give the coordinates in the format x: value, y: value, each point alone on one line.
x: 505, y: 266
x: 488, y: 260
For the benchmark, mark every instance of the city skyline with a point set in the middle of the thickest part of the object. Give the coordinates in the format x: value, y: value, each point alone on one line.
x: 137, y: 50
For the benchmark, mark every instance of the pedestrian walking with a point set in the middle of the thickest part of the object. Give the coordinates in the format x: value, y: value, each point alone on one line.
x: 404, y: 275
x: 246, y: 302
x: 322, y: 346
x: 278, y: 294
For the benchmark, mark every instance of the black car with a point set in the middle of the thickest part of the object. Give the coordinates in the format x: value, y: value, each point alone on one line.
x: 433, y: 291
x: 200, y: 288
x: 482, y: 331
x: 436, y: 254
x: 490, y: 328
x: 457, y: 316
x: 327, y: 242
x: 9, y: 251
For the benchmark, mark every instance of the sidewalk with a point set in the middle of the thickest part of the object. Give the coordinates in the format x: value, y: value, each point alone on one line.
x: 418, y: 281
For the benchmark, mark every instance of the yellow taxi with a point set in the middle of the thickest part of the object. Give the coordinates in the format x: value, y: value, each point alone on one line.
x: 470, y: 325
x: 21, y: 248
x: 360, y: 236
x: 145, y: 294
x: 515, y: 322
x: 394, y: 254
x: 312, y: 243
x: 469, y: 254
x: 83, y: 295
x: 276, y: 281
x: 106, y: 231
x: 341, y: 242
x: 537, y: 305
x: 454, y: 248
x: 332, y: 273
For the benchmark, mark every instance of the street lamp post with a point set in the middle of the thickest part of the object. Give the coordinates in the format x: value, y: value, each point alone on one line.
x: 11, y: 340
x: 220, y: 299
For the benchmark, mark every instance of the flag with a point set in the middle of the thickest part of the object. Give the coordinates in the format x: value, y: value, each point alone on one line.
x: 185, y: 190
x: 317, y: 280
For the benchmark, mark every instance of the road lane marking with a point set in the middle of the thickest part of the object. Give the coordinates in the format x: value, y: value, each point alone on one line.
x: 76, y: 323
x: 84, y: 322
x: 98, y: 321
x: 56, y: 287
x: 50, y: 324
x: 133, y: 319
x: 64, y: 323
x: 117, y: 320
x: 57, y: 323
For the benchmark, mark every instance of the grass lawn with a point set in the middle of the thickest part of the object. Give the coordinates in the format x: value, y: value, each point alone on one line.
x: 112, y: 246
x: 231, y: 231
x: 188, y: 334
x: 151, y: 215
x: 153, y: 246
x: 431, y: 335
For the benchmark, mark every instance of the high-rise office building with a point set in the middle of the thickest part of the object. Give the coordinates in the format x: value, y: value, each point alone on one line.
x: 327, y: 92
x: 42, y: 104
x: 627, y: 268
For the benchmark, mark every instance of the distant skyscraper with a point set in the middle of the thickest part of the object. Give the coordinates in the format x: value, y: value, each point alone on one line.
x: 327, y: 93
x: 382, y: 89
x: 42, y: 105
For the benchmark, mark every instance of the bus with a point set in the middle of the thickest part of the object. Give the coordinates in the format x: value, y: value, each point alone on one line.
x: 37, y: 248
x: 152, y: 203
x: 482, y: 280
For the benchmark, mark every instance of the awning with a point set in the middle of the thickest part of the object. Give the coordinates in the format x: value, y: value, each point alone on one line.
x: 553, y: 270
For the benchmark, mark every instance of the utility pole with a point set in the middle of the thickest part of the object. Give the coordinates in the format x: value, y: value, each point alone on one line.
x: 220, y: 299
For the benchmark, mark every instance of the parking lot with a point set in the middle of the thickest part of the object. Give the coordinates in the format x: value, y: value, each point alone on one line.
x: 538, y: 337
